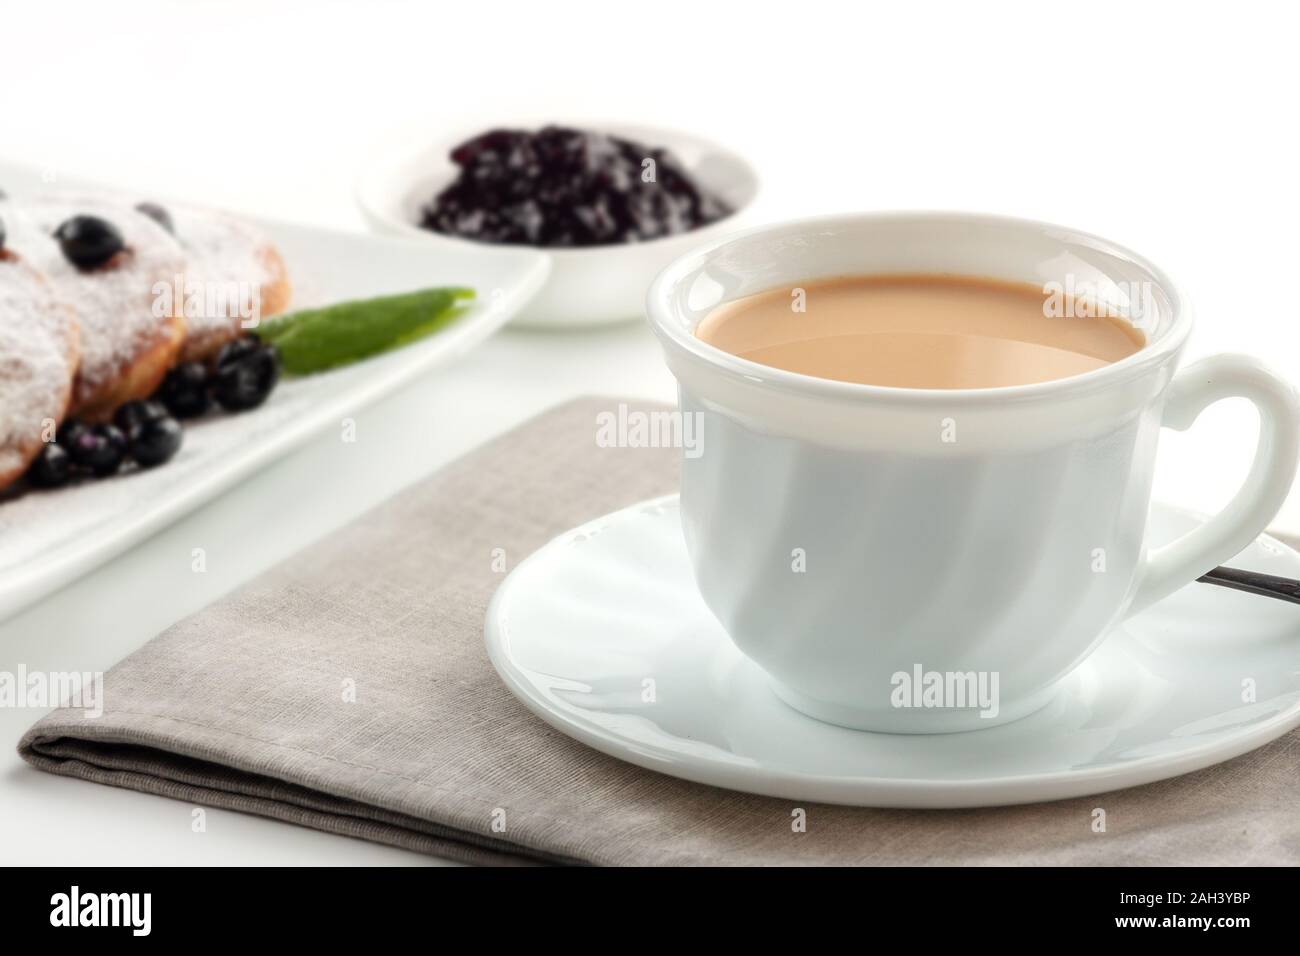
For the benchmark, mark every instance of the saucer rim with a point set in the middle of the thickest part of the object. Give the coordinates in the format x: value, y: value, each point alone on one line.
x: 856, y: 790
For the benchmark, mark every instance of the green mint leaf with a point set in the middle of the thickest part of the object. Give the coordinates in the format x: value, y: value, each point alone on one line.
x: 312, y: 340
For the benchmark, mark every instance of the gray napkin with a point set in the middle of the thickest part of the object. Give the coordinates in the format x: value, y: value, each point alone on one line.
x: 349, y: 690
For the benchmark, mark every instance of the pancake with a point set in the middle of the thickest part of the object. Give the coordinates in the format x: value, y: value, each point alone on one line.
x: 130, y: 336
x: 235, y: 276
x: 39, y: 352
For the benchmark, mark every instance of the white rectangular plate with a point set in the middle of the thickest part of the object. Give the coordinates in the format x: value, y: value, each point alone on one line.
x: 49, y: 538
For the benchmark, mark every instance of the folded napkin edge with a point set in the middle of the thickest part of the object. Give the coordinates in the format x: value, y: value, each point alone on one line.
x: 39, y: 748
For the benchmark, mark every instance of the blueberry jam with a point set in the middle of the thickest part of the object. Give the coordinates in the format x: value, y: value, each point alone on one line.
x: 561, y: 187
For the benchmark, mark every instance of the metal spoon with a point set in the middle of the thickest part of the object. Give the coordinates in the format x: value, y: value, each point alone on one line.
x: 1268, y: 585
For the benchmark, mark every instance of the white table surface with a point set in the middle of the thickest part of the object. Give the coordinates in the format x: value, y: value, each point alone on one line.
x: 1169, y: 130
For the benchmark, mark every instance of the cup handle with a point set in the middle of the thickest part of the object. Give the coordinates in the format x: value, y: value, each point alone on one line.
x: 1195, y: 388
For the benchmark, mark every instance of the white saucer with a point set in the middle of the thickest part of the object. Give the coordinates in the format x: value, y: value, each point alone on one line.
x: 579, y: 629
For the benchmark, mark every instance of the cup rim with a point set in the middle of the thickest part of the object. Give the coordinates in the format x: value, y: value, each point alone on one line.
x: 1158, y: 348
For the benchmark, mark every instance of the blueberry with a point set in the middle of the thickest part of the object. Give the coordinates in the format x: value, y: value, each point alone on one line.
x: 114, y: 436
x: 88, y: 241
x: 52, y: 467
x: 99, y: 449
x: 244, y: 378
x: 156, y: 441
x: 236, y: 350
x: 158, y: 214
x: 132, y: 415
x: 68, y: 432
x: 184, y: 392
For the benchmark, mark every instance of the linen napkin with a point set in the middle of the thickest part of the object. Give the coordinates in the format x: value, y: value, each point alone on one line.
x: 349, y: 690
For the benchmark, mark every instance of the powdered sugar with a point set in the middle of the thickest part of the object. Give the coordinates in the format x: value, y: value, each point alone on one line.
x: 37, y: 359
x: 117, y: 312
x: 230, y: 265
x: 114, y: 304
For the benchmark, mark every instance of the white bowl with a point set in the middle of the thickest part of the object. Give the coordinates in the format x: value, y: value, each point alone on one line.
x: 588, y: 286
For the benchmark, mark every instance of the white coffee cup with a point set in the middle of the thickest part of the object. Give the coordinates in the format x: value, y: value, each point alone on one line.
x: 852, y: 538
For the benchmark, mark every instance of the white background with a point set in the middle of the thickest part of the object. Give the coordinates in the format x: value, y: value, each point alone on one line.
x: 1167, y: 128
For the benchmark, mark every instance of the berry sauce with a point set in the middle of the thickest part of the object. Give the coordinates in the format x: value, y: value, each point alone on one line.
x: 561, y: 187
